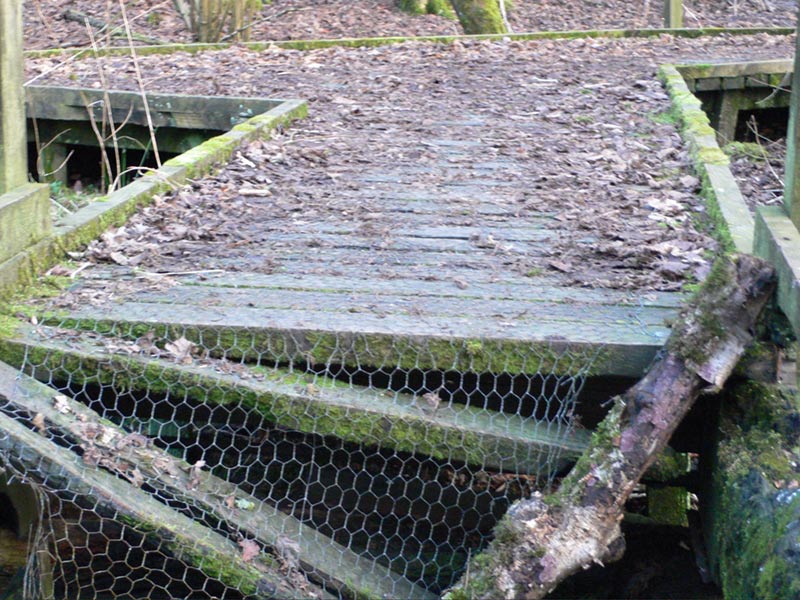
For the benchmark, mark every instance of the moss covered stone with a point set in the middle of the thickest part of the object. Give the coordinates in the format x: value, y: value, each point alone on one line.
x: 752, y: 507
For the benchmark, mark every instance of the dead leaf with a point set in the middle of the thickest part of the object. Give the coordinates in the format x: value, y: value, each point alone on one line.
x: 250, y: 549
x: 289, y: 552
x: 38, y: 422
x: 181, y: 350
x: 196, y: 473
x: 136, y: 478
x: 61, y: 404
x: 559, y: 266
x: 230, y: 501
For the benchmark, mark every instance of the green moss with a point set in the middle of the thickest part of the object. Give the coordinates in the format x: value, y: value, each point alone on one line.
x: 750, y: 150
x: 666, y: 117
x: 669, y: 465
x: 443, y: 8
x: 703, y: 327
x: 753, y: 507
x: 479, y: 16
x: 668, y: 505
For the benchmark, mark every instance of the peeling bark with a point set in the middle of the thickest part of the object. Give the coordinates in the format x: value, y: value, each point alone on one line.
x: 543, y: 540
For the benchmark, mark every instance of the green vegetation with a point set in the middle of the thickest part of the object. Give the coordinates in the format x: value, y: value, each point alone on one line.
x: 443, y: 8
x: 754, y: 504
x: 750, y: 150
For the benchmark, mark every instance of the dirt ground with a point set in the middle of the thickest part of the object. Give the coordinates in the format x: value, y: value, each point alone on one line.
x: 47, y: 25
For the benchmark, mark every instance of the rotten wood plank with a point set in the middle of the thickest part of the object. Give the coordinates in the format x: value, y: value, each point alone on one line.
x: 322, y: 559
x: 472, y: 435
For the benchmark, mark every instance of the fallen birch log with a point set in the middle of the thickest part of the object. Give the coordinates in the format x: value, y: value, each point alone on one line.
x: 543, y: 540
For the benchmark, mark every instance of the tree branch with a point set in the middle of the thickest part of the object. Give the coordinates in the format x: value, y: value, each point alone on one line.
x: 543, y: 540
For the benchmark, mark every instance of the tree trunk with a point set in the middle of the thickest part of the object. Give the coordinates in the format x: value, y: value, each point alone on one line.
x: 479, y: 16
x: 543, y: 540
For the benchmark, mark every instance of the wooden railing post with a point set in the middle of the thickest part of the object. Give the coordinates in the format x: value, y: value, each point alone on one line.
x: 13, y: 148
x: 673, y: 14
x: 791, y: 190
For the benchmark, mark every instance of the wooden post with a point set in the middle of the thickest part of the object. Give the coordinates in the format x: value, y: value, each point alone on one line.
x: 673, y: 14
x: 791, y: 190
x: 13, y: 148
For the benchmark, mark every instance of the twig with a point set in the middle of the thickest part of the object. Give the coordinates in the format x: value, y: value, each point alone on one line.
x: 783, y: 86
x: 140, y: 83
x: 78, y: 55
x: 504, y: 16
x: 39, y: 167
x: 152, y: 274
x: 752, y: 125
x: 103, y: 27
x: 262, y: 20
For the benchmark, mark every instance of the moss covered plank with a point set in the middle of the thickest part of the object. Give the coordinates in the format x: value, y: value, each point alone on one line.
x: 455, y: 433
x: 495, y: 343
x: 321, y: 558
x: 536, y: 288
x: 61, y: 471
x: 522, y: 313
x: 778, y: 241
x: 736, y: 69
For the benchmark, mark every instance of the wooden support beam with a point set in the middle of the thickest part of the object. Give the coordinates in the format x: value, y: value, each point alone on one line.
x: 13, y: 153
x: 673, y: 14
x: 319, y: 556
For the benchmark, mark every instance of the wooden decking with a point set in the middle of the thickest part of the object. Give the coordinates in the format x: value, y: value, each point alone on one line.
x: 620, y: 330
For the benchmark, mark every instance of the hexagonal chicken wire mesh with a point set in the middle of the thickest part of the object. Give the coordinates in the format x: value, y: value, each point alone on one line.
x: 227, y: 463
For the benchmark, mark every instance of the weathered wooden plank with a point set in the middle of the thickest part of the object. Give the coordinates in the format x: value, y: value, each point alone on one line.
x: 404, y: 263
x: 502, y: 287
x: 13, y: 152
x: 166, y: 110
x: 466, y: 434
x: 63, y: 472
x: 393, y: 242
x: 673, y: 14
x: 405, y: 341
x: 521, y: 312
x: 777, y: 240
x: 321, y: 558
x: 480, y: 236
x: 576, y: 328
x: 736, y: 69
x: 791, y: 189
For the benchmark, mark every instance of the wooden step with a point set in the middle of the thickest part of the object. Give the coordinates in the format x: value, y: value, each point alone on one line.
x: 466, y: 434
